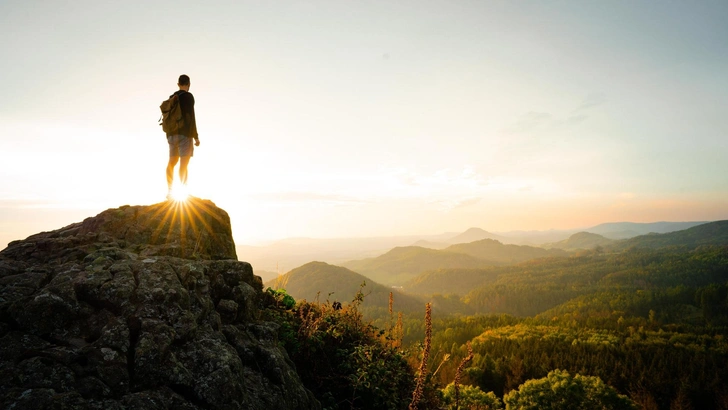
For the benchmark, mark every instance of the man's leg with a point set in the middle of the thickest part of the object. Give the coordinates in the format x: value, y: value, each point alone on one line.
x: 183, y: 169
x: 170, y: 171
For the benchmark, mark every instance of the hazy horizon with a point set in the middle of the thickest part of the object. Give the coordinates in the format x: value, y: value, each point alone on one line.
x: 327, y: 120
x: 268, y: 241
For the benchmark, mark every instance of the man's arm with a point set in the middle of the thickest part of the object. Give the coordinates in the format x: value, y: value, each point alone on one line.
x: 193, y: 122
x: 189, y: 112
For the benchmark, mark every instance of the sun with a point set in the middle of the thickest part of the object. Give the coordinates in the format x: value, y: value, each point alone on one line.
x: 179, y: 193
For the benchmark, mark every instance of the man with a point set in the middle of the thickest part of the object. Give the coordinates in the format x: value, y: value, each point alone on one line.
x: 180, y: 144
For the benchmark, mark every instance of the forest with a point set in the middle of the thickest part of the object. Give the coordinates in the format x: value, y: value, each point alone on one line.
x: 648, y: 320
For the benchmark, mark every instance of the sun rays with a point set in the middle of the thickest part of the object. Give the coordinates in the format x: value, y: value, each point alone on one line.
x: 186, y: 222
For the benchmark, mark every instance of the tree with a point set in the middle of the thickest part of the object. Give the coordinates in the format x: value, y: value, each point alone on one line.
x: 471, y: 397
x: 560, y: 391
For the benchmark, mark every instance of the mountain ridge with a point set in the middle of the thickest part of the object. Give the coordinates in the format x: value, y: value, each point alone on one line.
x: 323, y: 281
x: 286, y: 254
x: 404, y: 262
x: 475, y: 234
x: 580, y: 240
x: 711, y: 233
x: 493, y: 250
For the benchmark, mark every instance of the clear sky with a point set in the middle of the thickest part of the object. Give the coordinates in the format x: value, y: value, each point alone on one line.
x: 369, y: 118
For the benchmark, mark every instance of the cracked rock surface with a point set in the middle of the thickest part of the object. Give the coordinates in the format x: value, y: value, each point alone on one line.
x: 139, y: 307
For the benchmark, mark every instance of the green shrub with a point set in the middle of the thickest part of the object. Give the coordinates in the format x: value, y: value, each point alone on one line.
x: 471, y: 397
x: 560, y: 391
x: 346, y: 362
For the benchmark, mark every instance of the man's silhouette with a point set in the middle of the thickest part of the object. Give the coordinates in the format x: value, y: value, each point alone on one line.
x: 180, y: 144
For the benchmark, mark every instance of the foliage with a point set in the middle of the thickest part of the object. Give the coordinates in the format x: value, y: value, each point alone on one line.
x: 560, y: 391
x: 471, y: 397
x: 282, y: 298
x: 452, y: 281
x: 648, y: 322
x: 651, y: 323
x: 657, y: 364
x: 534, y: 287
x: 346, y: 362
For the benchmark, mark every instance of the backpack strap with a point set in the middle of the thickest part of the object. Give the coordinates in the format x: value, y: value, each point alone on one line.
x: 176, y: 94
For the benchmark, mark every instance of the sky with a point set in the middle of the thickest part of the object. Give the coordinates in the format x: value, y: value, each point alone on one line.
x: 375, y: 118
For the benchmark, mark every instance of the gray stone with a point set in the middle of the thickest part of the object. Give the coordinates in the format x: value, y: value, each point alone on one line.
x: 139, y: 307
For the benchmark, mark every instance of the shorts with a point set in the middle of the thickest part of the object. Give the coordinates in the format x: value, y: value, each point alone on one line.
x: 180, y: 146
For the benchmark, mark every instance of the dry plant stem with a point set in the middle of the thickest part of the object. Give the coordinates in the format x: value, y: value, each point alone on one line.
x: 444, y: 359
x: 310, y: 321
x: 419, y: 387
x: 459, y: 372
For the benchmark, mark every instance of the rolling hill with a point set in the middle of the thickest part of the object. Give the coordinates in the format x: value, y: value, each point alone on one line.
x: 495, y: 251
x: 474, y: 234
x: 580, y: 240
x: 451, y: 281
x: 712, y: 233
x: 624, y: 230
x: 319, y: 280
x: 404, y: 263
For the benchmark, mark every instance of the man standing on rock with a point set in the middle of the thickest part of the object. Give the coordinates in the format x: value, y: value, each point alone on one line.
x: 180, y: 144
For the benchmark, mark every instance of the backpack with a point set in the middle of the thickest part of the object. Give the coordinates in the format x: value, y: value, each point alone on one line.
x: 171, y: 119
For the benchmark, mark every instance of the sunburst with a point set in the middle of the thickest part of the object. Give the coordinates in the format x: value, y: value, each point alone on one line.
x: 179, y: 193
x: 185, y: 221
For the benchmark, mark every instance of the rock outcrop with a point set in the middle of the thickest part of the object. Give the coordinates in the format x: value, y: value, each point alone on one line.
x: 140, y: 307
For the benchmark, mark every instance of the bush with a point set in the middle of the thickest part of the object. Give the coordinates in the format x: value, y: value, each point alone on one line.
x: 345, y: 362
x: 471, y: 397
x: 559, y: 391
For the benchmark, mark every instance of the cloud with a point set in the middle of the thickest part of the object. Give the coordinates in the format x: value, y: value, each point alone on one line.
x: 592, y: 100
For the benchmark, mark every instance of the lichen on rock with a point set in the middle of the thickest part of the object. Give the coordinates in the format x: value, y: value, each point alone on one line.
x: 139, y: 307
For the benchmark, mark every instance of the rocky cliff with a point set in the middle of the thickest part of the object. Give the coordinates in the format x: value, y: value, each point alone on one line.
x: 139, y: 307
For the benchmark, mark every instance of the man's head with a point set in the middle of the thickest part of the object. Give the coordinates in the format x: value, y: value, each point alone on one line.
x: 184, y: 82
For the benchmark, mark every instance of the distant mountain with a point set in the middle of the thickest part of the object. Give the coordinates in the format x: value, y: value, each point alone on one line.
x: 580, y: 240
x: 712, y: 233
x: 404, y: 263
x: 451, y: 281
x: 265, y: 275
x: 493, y: 250
x: 624, y: 230
x: 335, y: 283
x: 286, y: 254
x: 535, y: 238
x: 474, y: 234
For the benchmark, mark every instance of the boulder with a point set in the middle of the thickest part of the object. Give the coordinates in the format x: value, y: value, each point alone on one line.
x: 139, y: 307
